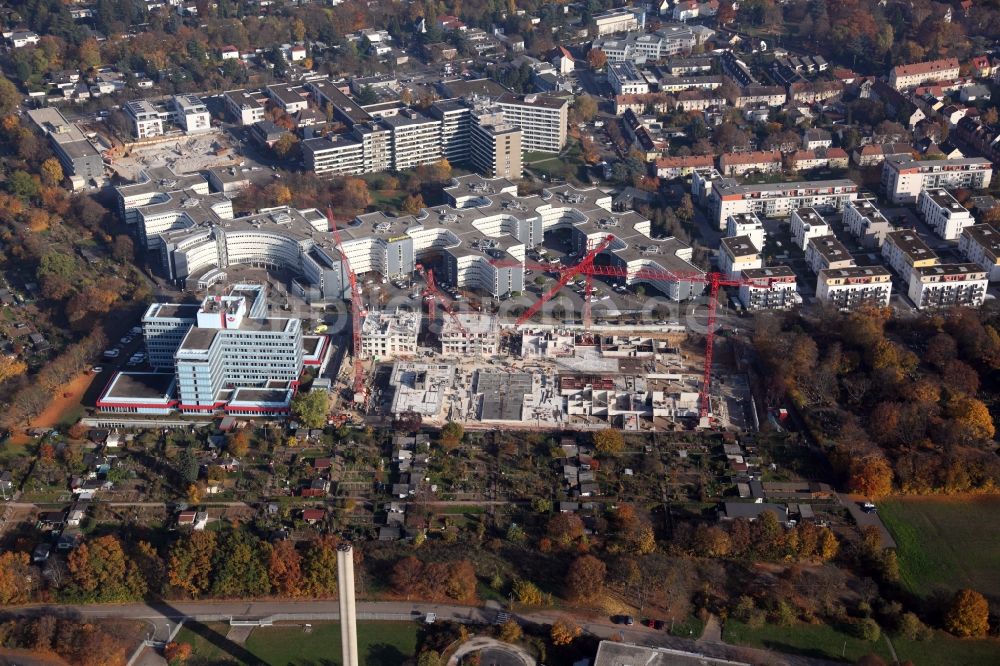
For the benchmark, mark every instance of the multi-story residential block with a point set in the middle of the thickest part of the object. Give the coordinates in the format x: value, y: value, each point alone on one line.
x: 455, y: 117
x: 243, y: 108
x: 543, y: 120
x: 416, y: 139
x: 737, y: 164
x: 146, y: 119
x: 736, y: 254
x: 747, y: 224
x: 472, y: 335
x: 756, y: 94
x: 496, y: 145
x: 80, y: 160
x: 386, y: 335
x: 910, y: 76
x: 155, y: 185
x: 618, y: 20
x: 946, y: 285
x: 943, y: 213
x: 855, y: 286
x: 771, y: 288
x: 641, y: 47
x: 336, y: 156
x: 191, y: 114
x: 903, y: 178
x: 625, y: 79
x: 980, y: 244
x: 806, y: 224
x: 727, y: 197
x: 827, y: 252
x: 904, y: 250
x: 866, y: 223
x: 291, y: 99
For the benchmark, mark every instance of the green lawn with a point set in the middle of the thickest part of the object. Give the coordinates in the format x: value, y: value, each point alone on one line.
x: 812, y: 640
x: 379, y: 644
x: 947, y: 543
x: 946, y: 649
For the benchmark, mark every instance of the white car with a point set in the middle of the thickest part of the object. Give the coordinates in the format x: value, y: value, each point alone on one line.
x: 430, y: 618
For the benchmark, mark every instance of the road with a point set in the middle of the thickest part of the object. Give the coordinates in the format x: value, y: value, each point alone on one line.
x: 163, y: 618
x: 853, y: 505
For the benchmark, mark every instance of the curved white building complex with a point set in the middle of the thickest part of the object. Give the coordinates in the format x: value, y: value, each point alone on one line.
x: 481, y: 236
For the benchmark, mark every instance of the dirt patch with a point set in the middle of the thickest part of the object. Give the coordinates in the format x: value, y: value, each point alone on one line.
x: 67, y: 397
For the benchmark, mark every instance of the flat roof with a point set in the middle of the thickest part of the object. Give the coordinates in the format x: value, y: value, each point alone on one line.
x: 910, y: 244
x: 199, y: 339
x: 739, y: 246
x: 951, y: 270
x: 502, y: 394
x: 855, y: 272
x: 985, y: 235
x: 830, y: 248
x: 172, y: 311
x: 139, y: 386
x: 768, y: 272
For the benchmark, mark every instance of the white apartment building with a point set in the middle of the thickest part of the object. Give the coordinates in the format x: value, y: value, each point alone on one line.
x: 472, y: 335
x: 727, y: 197
x: 747, y: 224
x: 387, y: 335
x: 147, y: 120
x: 243, y: 108
x: 616, y: 20
x: 943, y: 213
x: 180, y: 210
x: 456, y: 127
x: 191, y: 114
x: 543, y: 120
x: 737, y: 254
x: 827, y: 252
x: 333, y: 157
x: 772, y: 288
x: 155, y: 185
x: 805, y: 225
x: 416, y: 139
x: 866, y: 223
x: 947, y: 285
x: 642, y: 47
x: 904, y: 250
x: 625, y: 79
x: 291, y: 99
x: 904, y: 178
x: 851, y: 287
x: 980, y: 244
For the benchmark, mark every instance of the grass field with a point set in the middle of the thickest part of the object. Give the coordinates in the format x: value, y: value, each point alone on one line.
x: 946, y: 543
x: 810, y: 640
x: 946, y: 649
x: 379, y: 644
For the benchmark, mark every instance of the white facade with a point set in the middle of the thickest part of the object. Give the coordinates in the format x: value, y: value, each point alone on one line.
x: 626, y: 80
x: 903, y: 179
x: 947, y: 285
x: 980, y: 244
x: 416, y: 139
x: 747, y: 224
x: 904, y: 250
x: 616, y: 20
x: 191, y: 114
x: 727, y: 197
x: 147, y: 120
x: 866, y: 223
x: 543, y: 120
x: 853, y: 287
x: 640, y: 47
x: 806, y: 224
x: 943, y: 213
x: 827, y: 252
x: 772, y: 288
x: 737, y: 254
x: 243, y: 107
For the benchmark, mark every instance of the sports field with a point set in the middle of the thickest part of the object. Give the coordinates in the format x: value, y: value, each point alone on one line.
x: 946, y: 542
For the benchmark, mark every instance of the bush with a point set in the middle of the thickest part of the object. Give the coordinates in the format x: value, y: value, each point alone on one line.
x: 911, y: 628
x: 868, y: 630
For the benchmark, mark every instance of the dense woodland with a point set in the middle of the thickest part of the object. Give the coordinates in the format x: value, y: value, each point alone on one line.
x: 903, y: 403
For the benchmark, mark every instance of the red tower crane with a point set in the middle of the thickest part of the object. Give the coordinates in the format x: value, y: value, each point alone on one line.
x: 713, y: 280
x: 567, y: 274
x: 357, y: 310
x: 432, y: 290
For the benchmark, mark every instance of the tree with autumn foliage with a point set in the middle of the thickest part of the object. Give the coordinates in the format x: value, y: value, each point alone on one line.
x: 189, y: 564
x: 238, y: 443
x: 285, y: 569
x: 968, y: 614
x: 15, y: 578
x: 100, y: 571
x: 870, y: 476
x: 319, y: 569
x: 585, y: 579
x: 563, y: 633
x: 596, y: 58
x: 177, y: 654
x: 609, y: 442
x: 413, y: 204
x: 239, y: 566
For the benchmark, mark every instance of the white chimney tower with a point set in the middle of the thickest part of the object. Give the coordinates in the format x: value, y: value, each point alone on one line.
x: 348, y: 612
